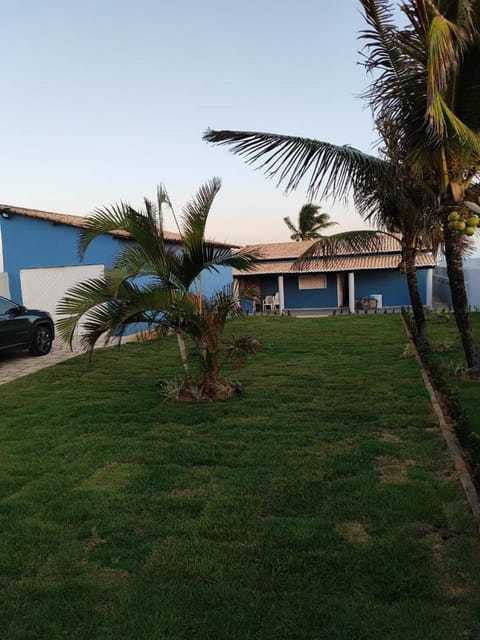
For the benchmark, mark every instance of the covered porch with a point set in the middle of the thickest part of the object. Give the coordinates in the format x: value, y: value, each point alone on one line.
x: 330, y: 293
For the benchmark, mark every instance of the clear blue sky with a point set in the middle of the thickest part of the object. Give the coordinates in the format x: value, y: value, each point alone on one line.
x: 101, y: 100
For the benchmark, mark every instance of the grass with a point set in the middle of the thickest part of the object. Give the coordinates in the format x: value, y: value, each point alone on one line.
x: 321, y: 505
x: 443, y: 334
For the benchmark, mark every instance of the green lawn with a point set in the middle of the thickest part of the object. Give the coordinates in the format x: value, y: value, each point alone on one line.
x: 443, y: 333
x: 321, y: 505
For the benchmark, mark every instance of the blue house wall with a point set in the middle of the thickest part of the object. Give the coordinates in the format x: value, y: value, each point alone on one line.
x: 30, y: 243
x: 296, y: 298
x: 213, y: 281
x: 269, y: 285
x: 392, y: 284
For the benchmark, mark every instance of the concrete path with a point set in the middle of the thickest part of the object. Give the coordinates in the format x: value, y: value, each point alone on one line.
x: 16, y: 364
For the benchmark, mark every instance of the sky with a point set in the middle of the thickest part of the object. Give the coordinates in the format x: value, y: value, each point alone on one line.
x: 102, y: 100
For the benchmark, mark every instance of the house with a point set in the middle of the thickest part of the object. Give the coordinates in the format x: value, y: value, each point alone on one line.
x: 347, y: 280
x: 39, y: 257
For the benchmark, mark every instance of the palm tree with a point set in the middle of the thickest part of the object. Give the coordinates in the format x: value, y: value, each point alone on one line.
x: 310, y: 223
x: 402, y: 212
x: 403, y: 207
x: 153, y: 282
x: 428, y: 79
x: 427, y: 86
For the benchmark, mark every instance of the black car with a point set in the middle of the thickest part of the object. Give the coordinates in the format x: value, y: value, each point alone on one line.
x: 22, y: 328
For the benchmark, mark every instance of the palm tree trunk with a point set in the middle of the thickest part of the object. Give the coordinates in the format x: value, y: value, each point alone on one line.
x: 183, y: 354
x: 409, y: 254
x: 454, y: 259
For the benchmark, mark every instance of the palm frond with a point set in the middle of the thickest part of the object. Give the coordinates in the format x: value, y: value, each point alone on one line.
x: 348, y: 242
x: 102, y: 221
x: 106, y: 306
x: 473, y: 206
x: 322, y: 220
x: 163, y: 200
x: 292, y: 227
x: 382, y: 43
x: 139, y: 226
x: 195, y: 212
x: 443, y: 58
x: 131, y: 259
x: 462, y: 135
x: 327, y: 168
x: 208, y: 257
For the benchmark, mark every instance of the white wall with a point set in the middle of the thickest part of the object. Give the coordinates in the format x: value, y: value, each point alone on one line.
x: 4, y: 286
x: 441, y: 286
x: 43, y: 288
x: 1, y: 249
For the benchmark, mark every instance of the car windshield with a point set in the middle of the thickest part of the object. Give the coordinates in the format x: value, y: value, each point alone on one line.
x: 7, y: 305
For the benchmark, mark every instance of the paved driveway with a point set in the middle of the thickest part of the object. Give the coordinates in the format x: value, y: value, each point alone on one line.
x: 20, y: 363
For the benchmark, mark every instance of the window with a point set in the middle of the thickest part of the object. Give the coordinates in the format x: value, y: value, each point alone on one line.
x: 7, y: 306
x: 317, y: 281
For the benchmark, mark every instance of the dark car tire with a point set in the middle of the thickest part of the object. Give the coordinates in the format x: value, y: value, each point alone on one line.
x: 42, y: 341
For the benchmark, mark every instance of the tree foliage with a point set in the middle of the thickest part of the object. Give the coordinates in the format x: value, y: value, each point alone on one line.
x: 157, y: 282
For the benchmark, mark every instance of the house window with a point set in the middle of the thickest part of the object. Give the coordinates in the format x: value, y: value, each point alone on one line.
x: 318, y: 281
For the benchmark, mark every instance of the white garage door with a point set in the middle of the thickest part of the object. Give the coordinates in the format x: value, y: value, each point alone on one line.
x: 43, y: 288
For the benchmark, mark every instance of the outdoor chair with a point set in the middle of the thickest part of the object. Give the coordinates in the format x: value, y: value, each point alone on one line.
x: 268, y: 302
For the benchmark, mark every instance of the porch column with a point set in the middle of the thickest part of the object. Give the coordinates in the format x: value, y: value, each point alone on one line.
x: 351, y: 291
x: 429, y: 289
x: 281, y: 293
x: 339, y: 289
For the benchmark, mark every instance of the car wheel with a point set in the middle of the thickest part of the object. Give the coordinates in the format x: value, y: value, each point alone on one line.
x: 42, y: 341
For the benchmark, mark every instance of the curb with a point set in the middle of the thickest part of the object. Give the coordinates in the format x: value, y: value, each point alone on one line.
x: 453, y: 446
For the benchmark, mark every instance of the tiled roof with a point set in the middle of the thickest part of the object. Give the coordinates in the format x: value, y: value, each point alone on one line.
x: 324, y: 265
x: 283, y: 250
x: 81, y: 222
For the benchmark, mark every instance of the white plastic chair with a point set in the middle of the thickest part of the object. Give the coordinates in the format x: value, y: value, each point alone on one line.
x: 268, y: 303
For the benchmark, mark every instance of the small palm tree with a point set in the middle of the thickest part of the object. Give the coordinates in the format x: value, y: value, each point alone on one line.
x: 155, y: 283
x: 310, y: 223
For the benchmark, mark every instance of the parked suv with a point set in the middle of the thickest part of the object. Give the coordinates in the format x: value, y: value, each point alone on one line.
x: 22, y: 328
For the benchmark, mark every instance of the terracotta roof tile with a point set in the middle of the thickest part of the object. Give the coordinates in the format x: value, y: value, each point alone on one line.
x: 346, y: 263
x: 81, y: 222
x: 281, y: 250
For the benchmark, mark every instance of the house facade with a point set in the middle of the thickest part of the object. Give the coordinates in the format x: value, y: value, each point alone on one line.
x: 39, y: 258
x: 349, y: 281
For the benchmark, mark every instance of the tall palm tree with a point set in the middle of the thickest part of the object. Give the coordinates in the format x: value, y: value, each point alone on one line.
x: 427, y: 76
x: 310, y: 223
x: 427, y: 85
x: 154, y: 282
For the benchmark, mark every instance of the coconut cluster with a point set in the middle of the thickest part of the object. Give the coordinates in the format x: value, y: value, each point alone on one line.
x: 462, y: 224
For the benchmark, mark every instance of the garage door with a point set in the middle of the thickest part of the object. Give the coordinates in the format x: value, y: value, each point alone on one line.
x: 43, y: 288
